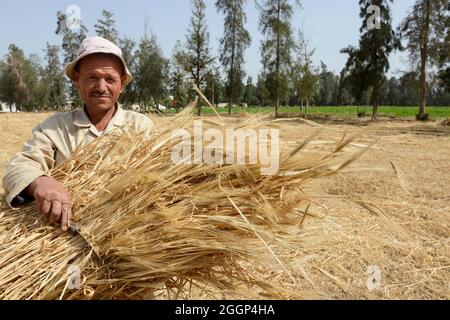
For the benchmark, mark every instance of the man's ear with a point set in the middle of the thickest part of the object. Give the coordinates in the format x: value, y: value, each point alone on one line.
x: 123, y: 79
x: 76, y: 78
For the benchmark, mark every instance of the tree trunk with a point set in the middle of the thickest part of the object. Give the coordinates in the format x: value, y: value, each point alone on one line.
x: 199, y: 107
x: 374, y: 100
x: 374, y: 111
x: 213, y: 96
x: 376, y: 87
x: 423, y: 61
x: 232, y: 70
x: 277, y: 104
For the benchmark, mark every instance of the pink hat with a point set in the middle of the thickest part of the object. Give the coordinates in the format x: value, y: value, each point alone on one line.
x: 98, y: 45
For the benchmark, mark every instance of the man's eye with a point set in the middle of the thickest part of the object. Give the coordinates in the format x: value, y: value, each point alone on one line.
x: 111, y: 80
x: 92, y: 78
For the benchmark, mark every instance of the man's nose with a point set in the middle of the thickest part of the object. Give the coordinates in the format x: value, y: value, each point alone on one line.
x: 100, y: 85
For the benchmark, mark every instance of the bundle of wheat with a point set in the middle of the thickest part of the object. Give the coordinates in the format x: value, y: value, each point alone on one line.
x: 148, y: 225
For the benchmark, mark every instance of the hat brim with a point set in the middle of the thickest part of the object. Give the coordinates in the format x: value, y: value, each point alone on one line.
x: 70, y: 67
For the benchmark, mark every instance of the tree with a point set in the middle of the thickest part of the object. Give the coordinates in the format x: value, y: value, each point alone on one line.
x: 151, y: 71
x: 393, y: 95
x: 328, y: 87
x: 369, y: 62
x: 178, y: 89
x: 408, y: 87
x: 180, y: 86
x: 424, y: 30
x: 34, y: 77
x: 344, y: 96
x: 127, y: 45
x: 232, y: 46
x: 354, y: 77
x: 73, y: 33
x: 54, y: 78
x: 275, y: 25
x: 214, y: 88
x: 13, y: 87
x: 304, y: 76
x: 263, y: 93
x: 196, y: 57
x: 106, y: 27
x: 444, y: 79
x: 3, y: 80
x: 250, y: 93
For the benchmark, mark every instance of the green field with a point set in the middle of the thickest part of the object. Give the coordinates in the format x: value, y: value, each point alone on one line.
x: 393, y: 111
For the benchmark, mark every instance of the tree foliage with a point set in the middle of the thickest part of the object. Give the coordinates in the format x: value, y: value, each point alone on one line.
x: 196, y: 57
x: 304, y: 75
x: 232, y: 47
x: 275, y: 25
x: 368, y: 63
x: 426, y: 31
x: 151, y: 71
x: 72, y: 36
x: 106, y: 27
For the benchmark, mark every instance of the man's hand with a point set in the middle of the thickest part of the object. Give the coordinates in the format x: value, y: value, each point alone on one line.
x: 52, y: 200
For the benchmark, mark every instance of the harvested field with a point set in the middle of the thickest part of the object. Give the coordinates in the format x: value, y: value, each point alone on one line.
x: 390, y: 209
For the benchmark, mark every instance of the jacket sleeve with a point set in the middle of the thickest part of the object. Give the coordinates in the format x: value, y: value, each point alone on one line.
x: 36, y: 160
x: 144, y: 123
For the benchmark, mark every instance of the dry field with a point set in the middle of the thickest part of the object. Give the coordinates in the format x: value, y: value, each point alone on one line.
x: 390, y: 209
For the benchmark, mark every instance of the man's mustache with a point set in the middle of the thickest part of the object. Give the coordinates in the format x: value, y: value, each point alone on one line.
x: 100, y: 95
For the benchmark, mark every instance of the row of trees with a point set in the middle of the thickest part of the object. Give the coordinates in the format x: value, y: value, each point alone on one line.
x: 426, y: 31
x: 288, y: 75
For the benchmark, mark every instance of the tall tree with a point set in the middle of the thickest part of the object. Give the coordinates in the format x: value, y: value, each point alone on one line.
x: 371, y: 59
x: 106, y: 27
x: 232, y: 47
x: 344, y: 96
x: 54, y: 78
x: 214, y: 85
x: 180, y: 86
x: 393, y: 95
x: 127, y: 45
x: 250, y: 93
x: 424, y: 30
x: 34, y: 77
x: 72, y: 36
x: 263, y: 91
x: 408, y: 87
x: 178, y: 89
x: 13, y: 87
x: 197, y: 58
x: 327, y: 87
x: 354, y: 78
x: 151, y: 71
x: 305, y: 77
x: 21, y: 80
x: 275, y: 24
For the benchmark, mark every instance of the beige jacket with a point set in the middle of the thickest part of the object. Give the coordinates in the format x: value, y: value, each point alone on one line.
x: 54, y: 140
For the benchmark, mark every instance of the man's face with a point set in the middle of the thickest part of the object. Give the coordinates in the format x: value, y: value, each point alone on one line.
x: 99, y: 80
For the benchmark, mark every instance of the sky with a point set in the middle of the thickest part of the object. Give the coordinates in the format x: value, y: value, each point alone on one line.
x: 329, y: 25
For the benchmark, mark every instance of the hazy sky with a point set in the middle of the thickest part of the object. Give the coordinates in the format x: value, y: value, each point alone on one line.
x: 329, y: 24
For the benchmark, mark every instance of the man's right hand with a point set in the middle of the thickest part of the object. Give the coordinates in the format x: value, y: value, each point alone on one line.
x: 52, y: 200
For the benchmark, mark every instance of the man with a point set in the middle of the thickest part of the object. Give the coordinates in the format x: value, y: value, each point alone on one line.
x: 100, y: 75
